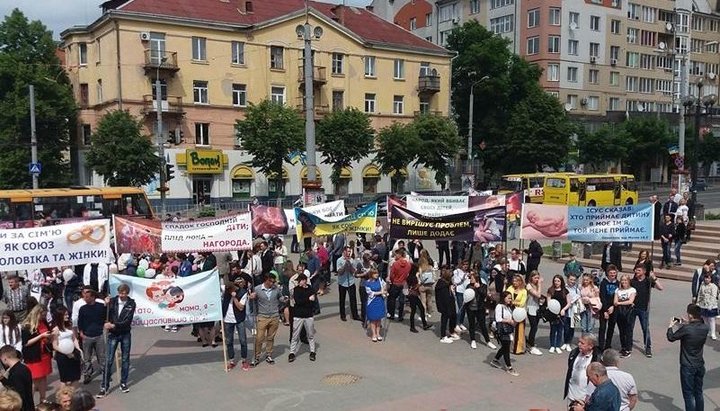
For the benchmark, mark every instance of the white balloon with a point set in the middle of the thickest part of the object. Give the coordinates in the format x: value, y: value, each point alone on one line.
x: 113, y: 269
x: 150, y: 273
x: 143, y: 263
x: 468, y: 295
x: 66, y: 346
x: 554, y: 306
x: 68, y: 274
x: 519, y: 315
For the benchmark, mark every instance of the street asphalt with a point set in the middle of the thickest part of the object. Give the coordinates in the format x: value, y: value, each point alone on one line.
x: 407, y: 371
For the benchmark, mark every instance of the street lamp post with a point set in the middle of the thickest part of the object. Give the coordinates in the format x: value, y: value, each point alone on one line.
x: 161, y: 144
x: 470, y: 122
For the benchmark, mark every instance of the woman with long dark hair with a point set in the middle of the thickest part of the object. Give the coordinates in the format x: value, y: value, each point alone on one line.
x: 504, y: 325
x: 624, y: 302
x: 10, y: 331
x: 445, y: 303
x: 558, y: 292
x: 413, y: 284
x: 535, y: 299
x: 69, y: 365
x: 475, y: 310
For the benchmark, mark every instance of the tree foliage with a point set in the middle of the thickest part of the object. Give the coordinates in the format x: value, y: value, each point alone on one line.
x: 438, y: 142
x: 27, y: 56
x: 606, y: 145
x: 397, y: 146
x: 269, y: 133
x: 647, y: 139
x: 120, y: 153
x: 343, y: 137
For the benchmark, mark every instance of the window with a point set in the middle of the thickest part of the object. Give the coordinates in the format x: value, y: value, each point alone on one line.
x: 97, y: 51
x: 632, y: 35
x: 575, y: 18
x: 199, y: 50
x: 99, y: 89
x: 632, y: 60
x: 474, y: 6
x: 277, y: 94
x: 594, y: 76
x: 413, y: 23
x: 337, y: 100
x: 398, y: 69
x: 615, y: 26
x: 533, y: 45
x: 276, y: 57
x: 595, y: 23
x: 398, y: 104
x: 647, y: 62
x: 337, y: 63
x: 594, y: 50
x: 572, y: 74
x: 241, y: 188
x: 572, y: 100
x: 444, y: 36
x: 369, y: 102
x: 428, y: 19
x: 553, y: 44
x: 681, y: 44
x: 238, y: 52
x: 646, y: 85
x: 664, y: 86
x: 573, y: 47
x: 712, y: 47
x: 648, y: 14
x: 200, y: 92
x: 633, y: 11
x: 555, y: 16
x: 424, y: 105
x: 683, y: 22
x: 533, y: 18
x: 648, y: 38
x: 614, y: 78
x: 86, y: 134
x: 202, y: 134
x: 593, y: 103
x: 84, y: 95
x: 614, y: 104
x: 82, y: 54
x: 239, y: 95
x: 614, y: 53
x: 369, y: 66
x: 448, y: 12
x: 425, y: 69
x: 553, y: 73
x: 697, y: 46
x: 502, y: 24
x: 631, y: 83
x: 501, y: 3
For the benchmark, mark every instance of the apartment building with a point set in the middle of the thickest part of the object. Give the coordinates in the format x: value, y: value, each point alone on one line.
x: 215, y: 57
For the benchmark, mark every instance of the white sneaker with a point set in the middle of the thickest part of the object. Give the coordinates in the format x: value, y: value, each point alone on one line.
x: 558, y: 350
x: 455, y: 337
x: 446, y: 340
x: 491, y: 345
x: 552, y: 349
x: 568, y: 347
x: 713, y: 336
x: 473, y: 345
x: 458, y: 330
x: 535, y: 351
x: 463, y: 328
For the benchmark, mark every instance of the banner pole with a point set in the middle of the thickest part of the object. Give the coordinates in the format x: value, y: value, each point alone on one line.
x: 222, y: 332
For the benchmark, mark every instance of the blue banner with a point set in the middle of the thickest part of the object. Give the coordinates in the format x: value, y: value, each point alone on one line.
x: 361, y: 221
x: 611, y: 223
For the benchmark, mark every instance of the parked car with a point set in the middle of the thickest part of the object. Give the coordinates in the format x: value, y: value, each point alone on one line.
x: 700, y: 185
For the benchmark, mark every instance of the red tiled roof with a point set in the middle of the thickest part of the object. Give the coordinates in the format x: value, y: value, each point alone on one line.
x: 363, y: 23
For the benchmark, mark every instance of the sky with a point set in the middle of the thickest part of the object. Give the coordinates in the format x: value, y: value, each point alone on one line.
x: 59, y: 15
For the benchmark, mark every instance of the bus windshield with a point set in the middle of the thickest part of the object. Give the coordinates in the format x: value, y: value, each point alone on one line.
x: 511, y: 184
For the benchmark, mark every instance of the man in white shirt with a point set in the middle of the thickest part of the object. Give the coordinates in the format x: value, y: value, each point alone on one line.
x: 576, y: 380
x: 460, y: 279
x: 624, y: 381
x: 280, y: 254
x: 96, y: 276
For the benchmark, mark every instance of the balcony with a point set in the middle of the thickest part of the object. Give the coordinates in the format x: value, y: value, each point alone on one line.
x: 160, y: 61
x: 428, y: 84
x: 319, y: 77
x: 320, y: 109
x: 171, y: 106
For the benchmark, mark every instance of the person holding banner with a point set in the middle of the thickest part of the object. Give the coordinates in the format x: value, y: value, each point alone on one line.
x: 304, y: 297
x: 120, y: 311
x: 235, y: 295
x: 268, y: 298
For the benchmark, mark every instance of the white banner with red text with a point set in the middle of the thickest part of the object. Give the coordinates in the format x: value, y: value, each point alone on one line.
x: 228, y: 233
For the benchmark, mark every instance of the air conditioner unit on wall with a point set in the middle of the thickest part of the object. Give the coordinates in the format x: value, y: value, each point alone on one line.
x: 145, y: 36
x: 613, y: 62
x: 455, y: 20
x: 584, y: 101
x: 593, y: 59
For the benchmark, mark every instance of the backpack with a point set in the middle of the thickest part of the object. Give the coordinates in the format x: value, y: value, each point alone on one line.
x: 185, y: 268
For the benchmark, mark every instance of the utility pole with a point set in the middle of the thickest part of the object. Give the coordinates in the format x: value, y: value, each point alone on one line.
x: 33, y: 137
x: 161, y: 144
x: 309, y: 105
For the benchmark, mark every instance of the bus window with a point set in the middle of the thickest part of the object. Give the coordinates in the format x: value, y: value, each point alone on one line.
x: 631, y: 185
x: 555, y: 182
x: 136, y: 204
x: 536, y: 182
x: 512, y: 186
x: 573, y: 185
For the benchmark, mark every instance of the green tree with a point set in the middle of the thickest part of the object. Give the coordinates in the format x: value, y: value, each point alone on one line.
x: 647, y: 139
x: 708, y: 149
x: 607, y: 144
x: 269, y: 133
x: 397, y: 147
x: 438, y: 142
x: 120, y: 153
x: 27, y: 56
x: 343, y: 137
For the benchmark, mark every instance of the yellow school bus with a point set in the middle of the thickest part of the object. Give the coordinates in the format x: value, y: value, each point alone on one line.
x: 590, y: 189
x: 530, y: 184
x: 24, y: 208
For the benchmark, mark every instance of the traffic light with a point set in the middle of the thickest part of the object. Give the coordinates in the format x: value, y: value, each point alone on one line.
x: 169, y: 172
x: 171, y: 137
x: 181, y: 137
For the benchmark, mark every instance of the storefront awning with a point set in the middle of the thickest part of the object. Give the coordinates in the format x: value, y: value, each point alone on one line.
x: 304, y: 173
x: 242, y: 173
x: 371, y: 171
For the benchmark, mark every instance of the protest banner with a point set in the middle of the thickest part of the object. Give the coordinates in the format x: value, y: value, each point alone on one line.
x: 541, y: 221
x: 360, y: 221
x: 276, y: 221
x: 486, y: 224
x: 228, y: 233
x: 611, y: 223
x: 181, y: 300
x: 55, y: 245
x: 137, y: 236
x: 433, y: 206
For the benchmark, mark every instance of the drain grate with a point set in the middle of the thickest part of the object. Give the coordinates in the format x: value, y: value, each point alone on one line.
x: 341, y: 379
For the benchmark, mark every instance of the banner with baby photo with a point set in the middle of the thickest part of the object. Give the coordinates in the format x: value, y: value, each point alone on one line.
x: 137, y: 236
x: 181, y: 300
x: 278, y: 221
x: 483, y: 224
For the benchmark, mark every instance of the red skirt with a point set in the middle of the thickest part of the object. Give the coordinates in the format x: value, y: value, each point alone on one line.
x: 42, y: 368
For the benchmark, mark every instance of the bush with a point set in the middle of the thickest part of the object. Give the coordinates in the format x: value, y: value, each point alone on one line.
x: 712, y: 216
x: 206, y: 212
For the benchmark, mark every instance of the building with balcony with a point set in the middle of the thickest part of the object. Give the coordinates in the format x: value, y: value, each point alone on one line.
x: 212, y: 58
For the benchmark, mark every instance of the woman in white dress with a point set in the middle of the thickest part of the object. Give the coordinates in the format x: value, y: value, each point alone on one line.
x: 69, y: 365
x: 10, y: 331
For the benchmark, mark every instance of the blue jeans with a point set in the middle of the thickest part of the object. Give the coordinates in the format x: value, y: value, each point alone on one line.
x: 512, y: 227
x: 587, y: 322
x: 644, y: 316
x: 460, y: 312
x: 678, y: 245
x: 556, y: 334
x: 112, y: 343
x: 666, y: 258
x: 230, y: 340
x: 691, y: 382
x: 568, y: 332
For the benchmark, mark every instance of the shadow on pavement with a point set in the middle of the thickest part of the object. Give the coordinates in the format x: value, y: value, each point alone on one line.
x: 659, y: 401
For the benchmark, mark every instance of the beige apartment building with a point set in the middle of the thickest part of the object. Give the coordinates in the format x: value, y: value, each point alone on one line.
x: 215, y: 57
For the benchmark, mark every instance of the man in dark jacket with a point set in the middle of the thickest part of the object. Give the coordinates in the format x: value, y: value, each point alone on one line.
x: 612, y: 254
x: 692, y: 333
x: 121, y: 310
x: 534, y: 254
x: 17, y: 377
x: 607, y: 314
x: 576, y: 380
x: 304, y: 298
